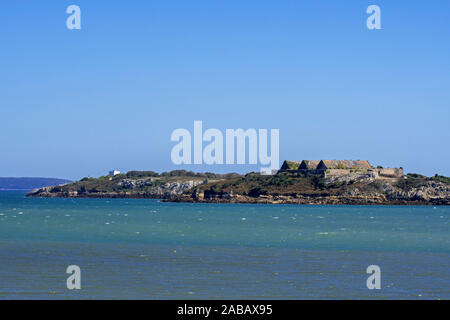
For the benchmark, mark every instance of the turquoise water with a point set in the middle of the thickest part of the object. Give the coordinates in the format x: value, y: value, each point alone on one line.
x: 146, y: 249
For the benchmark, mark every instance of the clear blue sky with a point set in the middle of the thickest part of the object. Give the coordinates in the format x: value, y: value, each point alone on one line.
x: 79, y: 103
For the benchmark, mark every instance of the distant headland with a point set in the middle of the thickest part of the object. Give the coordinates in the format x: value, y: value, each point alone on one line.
x: 297, y: 182
x: 26, y: 184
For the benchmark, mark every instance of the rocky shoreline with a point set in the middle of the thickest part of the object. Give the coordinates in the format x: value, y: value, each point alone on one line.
x: 164, y: 191
x: 308, y: 200
x: 388, y: 193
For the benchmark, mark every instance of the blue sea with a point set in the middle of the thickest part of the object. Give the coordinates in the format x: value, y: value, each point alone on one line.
x: 147, y: 249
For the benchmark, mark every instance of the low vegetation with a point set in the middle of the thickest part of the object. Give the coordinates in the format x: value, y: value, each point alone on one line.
x: 442, y: 179
x: 254, y: 185
x: 138, y: 182
x: 414, y: 180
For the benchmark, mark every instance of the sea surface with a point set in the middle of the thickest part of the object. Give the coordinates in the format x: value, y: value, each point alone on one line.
x: 147, y: 249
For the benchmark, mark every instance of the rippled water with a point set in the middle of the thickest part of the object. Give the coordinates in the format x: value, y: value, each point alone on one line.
x: 145, y: 249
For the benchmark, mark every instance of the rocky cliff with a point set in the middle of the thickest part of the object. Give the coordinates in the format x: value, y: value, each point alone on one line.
x: 129, y: 189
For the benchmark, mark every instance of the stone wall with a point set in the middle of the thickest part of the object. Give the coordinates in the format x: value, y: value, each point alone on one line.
x: 337, y: 172
x: 386, y: 173
x: 317, y: 172
x: 378, y: 173
x: 390, y: 172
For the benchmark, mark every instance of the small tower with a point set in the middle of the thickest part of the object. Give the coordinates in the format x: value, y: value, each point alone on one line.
x: 114, y: 172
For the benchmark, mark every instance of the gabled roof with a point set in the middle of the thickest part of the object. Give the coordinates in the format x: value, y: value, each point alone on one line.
x: 309, y: 165
x: 343, y: 164
x: 290, y: 165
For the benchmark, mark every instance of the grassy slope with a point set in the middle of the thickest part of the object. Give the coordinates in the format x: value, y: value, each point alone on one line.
x: 281, y: 184
x: 109, y: 184
x: 292, y: 183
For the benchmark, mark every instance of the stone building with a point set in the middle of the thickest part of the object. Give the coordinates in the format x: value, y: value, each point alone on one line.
x: 330, y: 168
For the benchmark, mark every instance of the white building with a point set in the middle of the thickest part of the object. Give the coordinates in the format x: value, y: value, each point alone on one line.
x: 114, y: 173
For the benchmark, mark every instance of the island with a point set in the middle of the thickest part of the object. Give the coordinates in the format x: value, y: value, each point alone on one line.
x: 324, y: 182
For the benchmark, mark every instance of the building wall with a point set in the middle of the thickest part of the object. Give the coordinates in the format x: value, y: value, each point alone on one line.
x: 337, y: 172
x: 316, y: 171
x: 377, y: 173
x: 390, y: 172
x: 288, y: 170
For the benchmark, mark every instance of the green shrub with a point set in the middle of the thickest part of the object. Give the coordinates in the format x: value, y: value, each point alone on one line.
x: 415, y: 176
x: 442, y: 179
